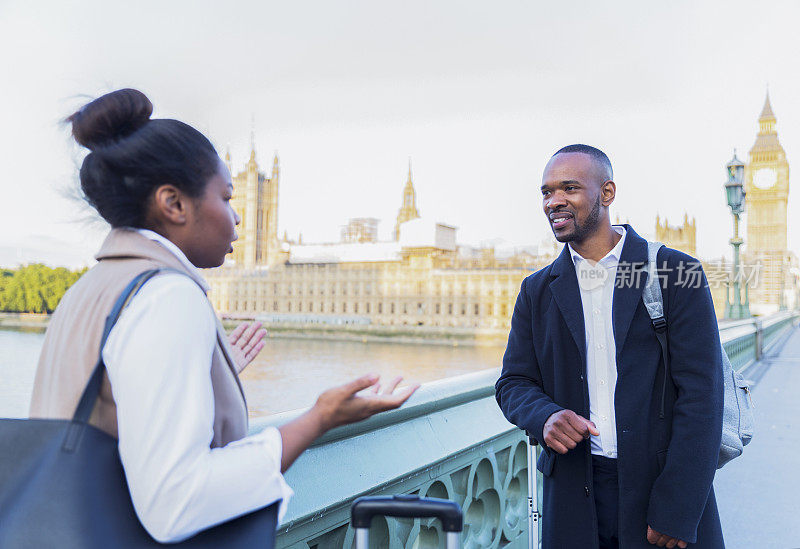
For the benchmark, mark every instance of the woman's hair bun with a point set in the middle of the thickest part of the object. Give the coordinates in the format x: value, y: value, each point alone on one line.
x: 111, y: 117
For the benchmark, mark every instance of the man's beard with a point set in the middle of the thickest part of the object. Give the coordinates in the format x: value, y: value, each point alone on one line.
x: 585, y: 229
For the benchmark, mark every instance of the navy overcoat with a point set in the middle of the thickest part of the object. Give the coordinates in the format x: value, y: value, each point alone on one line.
x: 666, y: 465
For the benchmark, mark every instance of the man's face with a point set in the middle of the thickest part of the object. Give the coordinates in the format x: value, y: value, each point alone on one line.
x: 572, y: 197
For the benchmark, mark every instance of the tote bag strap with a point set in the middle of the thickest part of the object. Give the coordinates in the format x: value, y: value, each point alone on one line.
x: 92, y: 391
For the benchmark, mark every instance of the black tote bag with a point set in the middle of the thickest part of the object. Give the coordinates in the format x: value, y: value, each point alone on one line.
x: 62, y: 483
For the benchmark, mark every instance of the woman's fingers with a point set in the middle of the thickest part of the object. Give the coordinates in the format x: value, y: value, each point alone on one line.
x: 249, y: 333
x: 237, y: 333
x: 247, y: 340
x: 251, y: 341
x: 393, y: 385
x: 389, y: 401
x: 359, y: 384
x: 251, y: 354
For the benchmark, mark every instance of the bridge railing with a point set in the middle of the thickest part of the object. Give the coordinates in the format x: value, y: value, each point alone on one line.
x: 449, y: 441
x: 747, y: 340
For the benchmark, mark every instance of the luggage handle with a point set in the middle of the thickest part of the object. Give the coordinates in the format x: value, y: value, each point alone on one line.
x: 409, y: 506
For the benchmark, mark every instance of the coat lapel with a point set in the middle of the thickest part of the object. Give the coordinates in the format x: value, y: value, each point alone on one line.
x: 629, y: 285
x: 564, y: 288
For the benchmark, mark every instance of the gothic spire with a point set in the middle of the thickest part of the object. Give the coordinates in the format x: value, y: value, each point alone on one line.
x: 275, y: 166
x: 253, y: 138
x: 766, y: 112
x: 408, y: 210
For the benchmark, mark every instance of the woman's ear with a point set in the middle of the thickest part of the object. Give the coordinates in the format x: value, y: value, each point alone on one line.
x: 169, y: 205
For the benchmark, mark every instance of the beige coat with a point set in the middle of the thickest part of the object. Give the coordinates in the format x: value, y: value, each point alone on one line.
x: 71, y: 345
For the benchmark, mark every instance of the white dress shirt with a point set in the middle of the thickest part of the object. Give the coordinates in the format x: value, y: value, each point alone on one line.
x: 596, y: 284
x: 158, y: 358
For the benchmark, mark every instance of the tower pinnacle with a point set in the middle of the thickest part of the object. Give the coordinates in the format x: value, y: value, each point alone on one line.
x: 767, y: 119
x: 275, y: 167
x: 253, y: 138
x: 408, y: 210
x: 228, y: 159
x: 766, y: 112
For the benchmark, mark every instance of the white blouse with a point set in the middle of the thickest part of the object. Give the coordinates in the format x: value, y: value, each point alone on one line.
x: 158, y: 358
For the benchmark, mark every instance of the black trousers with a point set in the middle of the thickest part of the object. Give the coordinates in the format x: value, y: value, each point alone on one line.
x: 606, y: 500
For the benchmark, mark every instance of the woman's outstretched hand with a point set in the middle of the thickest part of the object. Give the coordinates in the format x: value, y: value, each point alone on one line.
x: 348, y: 403
x: 246, y: 341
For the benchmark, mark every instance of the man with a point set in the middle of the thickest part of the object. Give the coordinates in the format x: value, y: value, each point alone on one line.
x: 584, y: 376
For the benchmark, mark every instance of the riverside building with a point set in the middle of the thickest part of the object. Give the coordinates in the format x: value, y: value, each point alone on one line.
x: 422, y: 277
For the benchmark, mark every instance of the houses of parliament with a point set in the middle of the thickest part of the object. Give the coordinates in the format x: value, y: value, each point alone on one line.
x: 423, y: 277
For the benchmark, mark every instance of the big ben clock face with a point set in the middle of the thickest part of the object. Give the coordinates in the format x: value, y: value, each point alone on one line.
x: 765, y: 178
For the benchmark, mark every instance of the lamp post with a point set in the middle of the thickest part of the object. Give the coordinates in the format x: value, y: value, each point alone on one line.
x: 795, y: 272
x: 734, y: 192
x: 782, y: 302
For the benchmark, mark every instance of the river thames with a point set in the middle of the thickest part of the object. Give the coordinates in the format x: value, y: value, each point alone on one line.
x: 288, y: 373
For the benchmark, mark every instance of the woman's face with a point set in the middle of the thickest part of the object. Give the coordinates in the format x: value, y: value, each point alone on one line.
x: 212, y: 228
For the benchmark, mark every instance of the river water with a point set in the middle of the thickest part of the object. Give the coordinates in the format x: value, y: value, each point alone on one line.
x: 287, y: 374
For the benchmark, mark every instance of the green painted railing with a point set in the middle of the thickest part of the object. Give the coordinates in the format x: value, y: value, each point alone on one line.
x: 746, y: 341
x: 449, y: 441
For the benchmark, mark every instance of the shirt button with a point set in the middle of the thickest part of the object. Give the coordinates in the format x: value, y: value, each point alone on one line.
x: 597, y: 311
x: 610, y: 454
x: 605, y: 418
x: 602, y: 382
x: 600, y: 345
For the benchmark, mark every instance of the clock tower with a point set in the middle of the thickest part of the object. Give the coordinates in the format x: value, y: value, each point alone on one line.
x: 767, y: 188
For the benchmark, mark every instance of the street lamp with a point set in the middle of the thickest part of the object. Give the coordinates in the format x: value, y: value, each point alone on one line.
x: 795, y: 272
x: 734, y: 192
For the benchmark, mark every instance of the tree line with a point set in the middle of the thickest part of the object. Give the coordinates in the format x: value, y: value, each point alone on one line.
x: 34, y: 288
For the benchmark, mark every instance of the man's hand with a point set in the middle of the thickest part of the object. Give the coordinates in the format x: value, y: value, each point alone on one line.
x: 565, y: 429
x: 663, y: 540
x: 246, y: 341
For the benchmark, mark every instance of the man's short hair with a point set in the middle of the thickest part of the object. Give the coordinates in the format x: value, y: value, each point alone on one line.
x: 594, y: 152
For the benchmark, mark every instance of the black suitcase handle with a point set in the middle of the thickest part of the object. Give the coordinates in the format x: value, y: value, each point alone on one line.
x: 447, y: 511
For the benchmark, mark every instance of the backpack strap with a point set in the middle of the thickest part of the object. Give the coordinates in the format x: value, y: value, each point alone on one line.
x: 654, y: 303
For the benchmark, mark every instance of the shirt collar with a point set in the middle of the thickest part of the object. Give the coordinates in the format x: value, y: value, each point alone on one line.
x: 615, y: 253
x: 168, y: 244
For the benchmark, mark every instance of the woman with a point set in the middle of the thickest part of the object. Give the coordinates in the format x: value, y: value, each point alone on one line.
x: 172, y: 395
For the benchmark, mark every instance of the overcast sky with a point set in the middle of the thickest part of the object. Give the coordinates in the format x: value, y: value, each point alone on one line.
x: 478, y: 94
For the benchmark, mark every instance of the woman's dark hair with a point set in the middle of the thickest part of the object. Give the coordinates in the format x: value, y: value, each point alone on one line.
x: 131, y: 155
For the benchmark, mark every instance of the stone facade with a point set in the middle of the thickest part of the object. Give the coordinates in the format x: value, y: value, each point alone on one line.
x: 683, y: 237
